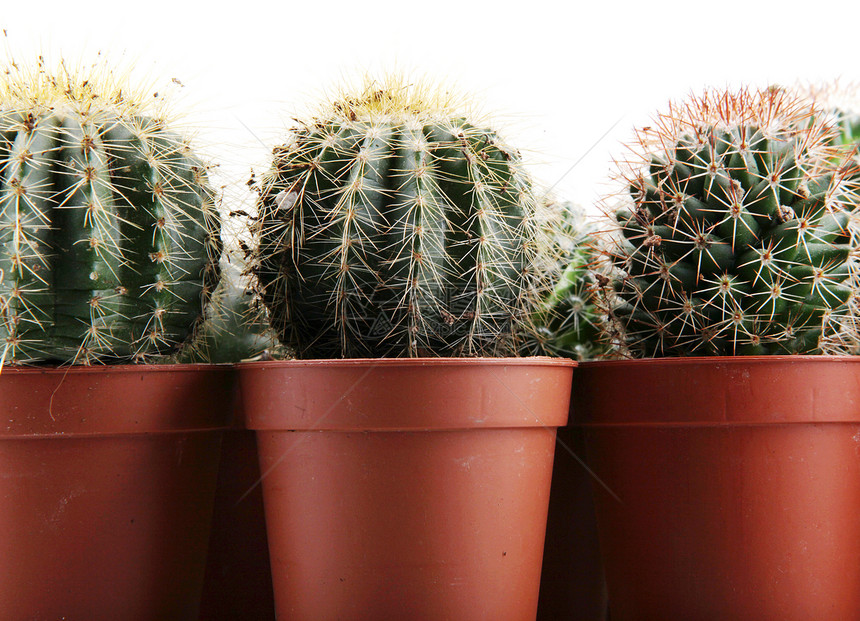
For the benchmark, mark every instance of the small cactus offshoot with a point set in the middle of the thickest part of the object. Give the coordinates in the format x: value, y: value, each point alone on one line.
x: 234, y: 328
x: 849, y: 128
x: 567, y: 322
x: 736, y: 233
x: 393, y: 226
x: 839, y: 104
x: 108, y: 230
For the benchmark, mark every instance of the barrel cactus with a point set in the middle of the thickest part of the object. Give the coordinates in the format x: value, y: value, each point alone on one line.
x: 736, y: 232
x: 108, y: 228
x: 567, y: 321
x: 390, y: 225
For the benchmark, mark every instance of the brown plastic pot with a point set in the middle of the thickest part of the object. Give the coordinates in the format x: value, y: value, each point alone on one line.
x: 727, y: 488
x: 406, y: 489
x: 107, y: 476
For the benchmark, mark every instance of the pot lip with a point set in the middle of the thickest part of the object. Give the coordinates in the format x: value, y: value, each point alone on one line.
x: 717, y: 391
x: 721, y: 360
x: 409, y: 362
x: 114, y: 400
x: 107, y: 369
x: 356, y: 394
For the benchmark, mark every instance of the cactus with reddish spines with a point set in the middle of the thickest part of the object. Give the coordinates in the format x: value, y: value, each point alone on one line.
x: 736, y: 231
x: 109, y: 232
x: 393, y: 226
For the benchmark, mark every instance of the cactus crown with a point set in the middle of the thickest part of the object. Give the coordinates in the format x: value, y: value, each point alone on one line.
x: 735, y: 234
x: 391, y: 225
x: 109, y: 233
x: 394, y: 96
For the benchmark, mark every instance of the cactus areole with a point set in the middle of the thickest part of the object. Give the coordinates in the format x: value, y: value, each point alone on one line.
x: 736, y: 232
x: 108, y: 228
x: 392, y: 227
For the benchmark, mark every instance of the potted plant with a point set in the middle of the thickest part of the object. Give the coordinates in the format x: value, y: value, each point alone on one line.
x: 726, y: 450
x: 108, y: 468
x: 406, y: 457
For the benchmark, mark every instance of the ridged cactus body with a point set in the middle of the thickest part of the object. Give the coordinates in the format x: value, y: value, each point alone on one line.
x: 108, y: 230
x: 737, y: 236
x: 391, y: 227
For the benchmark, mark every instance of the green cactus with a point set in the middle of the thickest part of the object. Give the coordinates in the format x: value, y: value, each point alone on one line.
x: 737, y: 234
x: 567, y: 322
x: 234, y: 328
x: 849, y: 129
x: 392, y: 226
x: 108, y: 228
x: 840, y: 106
x: 837, y: 104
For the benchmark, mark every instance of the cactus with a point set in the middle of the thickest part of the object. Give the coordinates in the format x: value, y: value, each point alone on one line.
x: 567, y: 322
x: 108, y: 228
x: 390, y: 225
x: 840, y: 106
x: 737, y: 231
x: 234, y: 328
x: 849, y: 128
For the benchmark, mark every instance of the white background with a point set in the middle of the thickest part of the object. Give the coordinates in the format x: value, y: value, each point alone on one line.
x: 566, y: 82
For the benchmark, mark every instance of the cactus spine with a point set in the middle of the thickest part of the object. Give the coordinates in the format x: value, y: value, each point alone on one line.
x: 108, y: 229
x: 392, y: 226
x: 736, y: 234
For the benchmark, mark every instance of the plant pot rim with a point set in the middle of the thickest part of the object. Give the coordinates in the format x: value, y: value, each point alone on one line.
x: 84, y: 369
x: 723, y: 360
x: 717, y: 391
x: 410, y: 362
x: 86, y: 401
x: 405, y: 394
